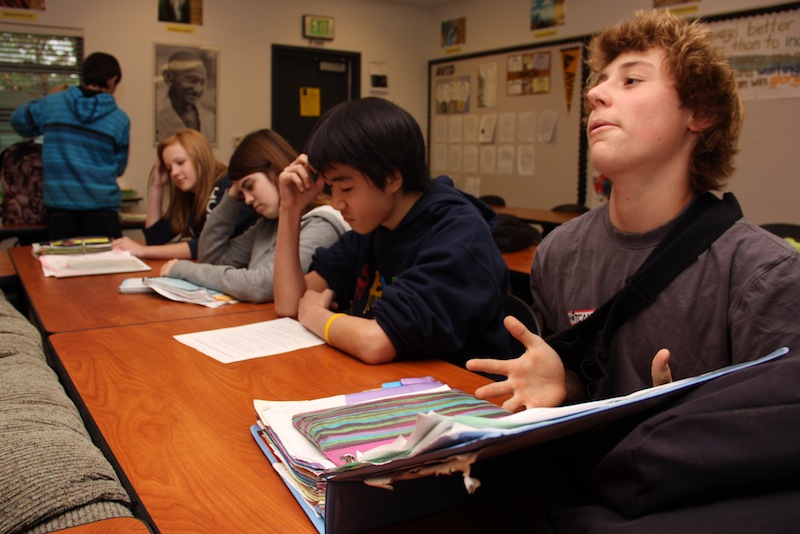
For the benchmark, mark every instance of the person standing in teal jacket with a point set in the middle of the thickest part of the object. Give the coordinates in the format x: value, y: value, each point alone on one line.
x: 84, y: 150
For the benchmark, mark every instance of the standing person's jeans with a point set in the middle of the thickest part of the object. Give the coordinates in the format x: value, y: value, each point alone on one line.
x: 63, y: 224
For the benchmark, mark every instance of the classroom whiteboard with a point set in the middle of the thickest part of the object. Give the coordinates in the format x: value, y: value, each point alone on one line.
x: 509, y: 123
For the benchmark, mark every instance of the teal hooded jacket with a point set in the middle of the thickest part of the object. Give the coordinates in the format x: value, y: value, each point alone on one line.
x: 84, y: 148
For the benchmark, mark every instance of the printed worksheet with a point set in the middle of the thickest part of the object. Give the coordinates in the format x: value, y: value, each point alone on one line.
x: 256, y: 340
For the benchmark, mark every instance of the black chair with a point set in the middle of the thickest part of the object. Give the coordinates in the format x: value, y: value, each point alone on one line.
x: 494, y: 200
x: 783, y: 230
x: 517, y: 307
x: 571, y: 208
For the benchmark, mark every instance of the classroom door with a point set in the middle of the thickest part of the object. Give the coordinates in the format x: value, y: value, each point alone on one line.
x: 306, y: 82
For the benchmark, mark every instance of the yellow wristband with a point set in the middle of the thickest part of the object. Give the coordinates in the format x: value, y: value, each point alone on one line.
x: 327, y: 334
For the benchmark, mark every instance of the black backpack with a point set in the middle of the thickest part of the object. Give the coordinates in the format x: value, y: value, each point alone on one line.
x: 511, y: 233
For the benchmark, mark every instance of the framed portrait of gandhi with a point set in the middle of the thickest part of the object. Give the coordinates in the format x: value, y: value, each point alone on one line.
x: 186, y: 90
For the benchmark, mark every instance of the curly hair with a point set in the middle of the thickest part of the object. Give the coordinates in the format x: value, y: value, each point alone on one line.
x: 704, y: 81
x: 181, y: 205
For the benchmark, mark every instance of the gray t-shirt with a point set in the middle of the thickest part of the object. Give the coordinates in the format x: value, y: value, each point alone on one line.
x: 739, y: 301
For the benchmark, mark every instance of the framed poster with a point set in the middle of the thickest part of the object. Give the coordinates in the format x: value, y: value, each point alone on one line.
x: 185, y: 79
x: 181, y: 11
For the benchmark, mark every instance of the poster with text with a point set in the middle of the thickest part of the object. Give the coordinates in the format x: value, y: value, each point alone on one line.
x: 764, y: 50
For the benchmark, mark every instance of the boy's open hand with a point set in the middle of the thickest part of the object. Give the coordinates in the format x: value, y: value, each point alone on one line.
x: 535, y: 379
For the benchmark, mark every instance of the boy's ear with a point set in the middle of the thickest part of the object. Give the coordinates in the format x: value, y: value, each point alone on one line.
x: 111, y: 84
x: 394, y: 182
x: 699, y: 123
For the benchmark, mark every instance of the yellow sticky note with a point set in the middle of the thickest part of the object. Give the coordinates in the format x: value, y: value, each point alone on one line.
x: 310, y: 102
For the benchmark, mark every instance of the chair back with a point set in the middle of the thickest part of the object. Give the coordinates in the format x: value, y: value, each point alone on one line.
x: 494, y: 200
x: 783, y: 230
x: 571, y: 208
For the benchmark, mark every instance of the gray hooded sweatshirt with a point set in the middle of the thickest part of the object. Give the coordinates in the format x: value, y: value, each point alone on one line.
x: 243, y: 267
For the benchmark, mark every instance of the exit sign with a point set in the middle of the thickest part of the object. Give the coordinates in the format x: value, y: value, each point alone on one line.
x: 316, y: 27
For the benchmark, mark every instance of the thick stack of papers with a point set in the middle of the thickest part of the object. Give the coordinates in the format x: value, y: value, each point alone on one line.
x: 346, y: 434
x: 302, y: 466
x: 438, y: 444
x: 176, y: 289
x: 76, y: 245
x: 65, y: 265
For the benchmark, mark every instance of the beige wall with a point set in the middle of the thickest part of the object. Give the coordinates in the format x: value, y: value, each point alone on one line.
x: 404, y: 38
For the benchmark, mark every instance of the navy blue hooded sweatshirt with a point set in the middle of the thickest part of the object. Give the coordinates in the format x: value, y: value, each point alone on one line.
x: 434, y: 284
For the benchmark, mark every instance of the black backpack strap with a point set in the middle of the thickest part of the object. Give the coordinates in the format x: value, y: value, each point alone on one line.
x: 703, y: 221
x: 710, y: 218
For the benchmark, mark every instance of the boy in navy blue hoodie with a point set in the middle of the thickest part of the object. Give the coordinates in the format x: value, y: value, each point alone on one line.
x: 419, y: 275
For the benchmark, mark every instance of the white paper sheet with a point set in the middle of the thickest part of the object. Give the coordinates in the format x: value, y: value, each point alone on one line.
x: 256, y: 340
x: 109, y: 262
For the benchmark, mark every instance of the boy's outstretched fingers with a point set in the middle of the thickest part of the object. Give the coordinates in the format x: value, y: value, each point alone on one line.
x: 494, y: 390
x: 494, y: 367
x: 519, y: 331
x: 500, y: 367
x: 537, y: 378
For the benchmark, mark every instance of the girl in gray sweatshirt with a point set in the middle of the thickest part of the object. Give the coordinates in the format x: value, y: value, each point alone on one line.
x: 242, y: 267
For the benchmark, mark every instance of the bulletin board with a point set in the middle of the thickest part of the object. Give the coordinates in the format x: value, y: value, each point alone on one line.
x: 509, y: 123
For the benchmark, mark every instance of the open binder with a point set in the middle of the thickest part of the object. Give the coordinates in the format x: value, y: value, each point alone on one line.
x: 176, y: 289
x: 357, y: 497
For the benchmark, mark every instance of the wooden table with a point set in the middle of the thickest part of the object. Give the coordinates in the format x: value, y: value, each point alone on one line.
x: 547, y: 219
x: 86, y: 302
x: 521, y: 260
x: 177, y: 421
